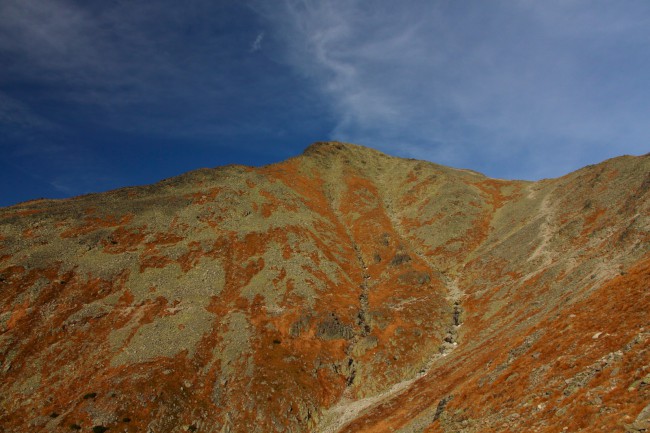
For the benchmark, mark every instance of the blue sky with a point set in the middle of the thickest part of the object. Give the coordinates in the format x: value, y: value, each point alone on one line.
x: 96, y: 95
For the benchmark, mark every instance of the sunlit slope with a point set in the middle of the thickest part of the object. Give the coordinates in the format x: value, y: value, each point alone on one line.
x: 341, y: 289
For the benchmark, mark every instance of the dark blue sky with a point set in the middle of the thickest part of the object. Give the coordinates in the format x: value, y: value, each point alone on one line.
x: 95, y: 95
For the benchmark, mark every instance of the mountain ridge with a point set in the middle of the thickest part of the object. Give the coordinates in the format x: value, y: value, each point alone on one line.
x: 270, y: 298
x: 312, y: 150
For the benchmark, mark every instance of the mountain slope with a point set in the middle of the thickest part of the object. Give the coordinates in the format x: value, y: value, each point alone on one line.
x: 340, y: 290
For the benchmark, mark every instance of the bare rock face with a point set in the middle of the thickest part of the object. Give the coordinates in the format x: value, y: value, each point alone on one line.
x: 341, y: 290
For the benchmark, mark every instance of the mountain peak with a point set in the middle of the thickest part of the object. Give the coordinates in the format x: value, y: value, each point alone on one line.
x: 328, y: 147
x: 333, y: 148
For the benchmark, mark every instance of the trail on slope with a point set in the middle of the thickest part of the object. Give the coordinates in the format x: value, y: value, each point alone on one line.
x: 348, y: 409
x: 545, y: 231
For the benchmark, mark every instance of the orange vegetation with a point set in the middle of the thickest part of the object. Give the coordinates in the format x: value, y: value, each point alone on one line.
x: 339, y: 291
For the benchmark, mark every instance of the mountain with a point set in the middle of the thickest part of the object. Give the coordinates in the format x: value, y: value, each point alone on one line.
x: 341, y: 290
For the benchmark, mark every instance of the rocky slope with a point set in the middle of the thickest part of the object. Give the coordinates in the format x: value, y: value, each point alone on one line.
x: 341, y: 290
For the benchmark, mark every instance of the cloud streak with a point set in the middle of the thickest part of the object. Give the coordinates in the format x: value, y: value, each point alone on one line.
x: 519, y: 89
x: 257, y: 43
x: 20, y: 117
x: 166, y: 61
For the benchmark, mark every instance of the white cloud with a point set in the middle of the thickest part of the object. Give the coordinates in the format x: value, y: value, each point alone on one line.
x: 523, y: 89
x: 257, y: 43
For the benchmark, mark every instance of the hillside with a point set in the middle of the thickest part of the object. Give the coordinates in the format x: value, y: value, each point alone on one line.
x: 341, y: 290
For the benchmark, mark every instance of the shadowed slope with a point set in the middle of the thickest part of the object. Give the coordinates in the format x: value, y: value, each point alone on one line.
x: 340, y: 289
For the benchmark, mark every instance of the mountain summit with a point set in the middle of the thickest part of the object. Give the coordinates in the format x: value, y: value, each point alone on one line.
x: 343, y: 290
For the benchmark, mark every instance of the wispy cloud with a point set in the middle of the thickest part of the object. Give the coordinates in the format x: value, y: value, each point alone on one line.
x: 138, y: 67
x: 257, y: 43
x: 20, y: 116
x: 523, y: 88
x: 58, y: 42
x: 117, y: 55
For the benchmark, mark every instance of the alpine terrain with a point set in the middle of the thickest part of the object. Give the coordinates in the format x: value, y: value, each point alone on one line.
x: 343, y: 290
